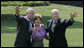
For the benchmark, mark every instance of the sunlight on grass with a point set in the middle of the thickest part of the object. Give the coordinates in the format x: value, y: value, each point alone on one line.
x: 7, y: 39
x: 74, y: 37
x: 74, y: 33
x: 8, y: 28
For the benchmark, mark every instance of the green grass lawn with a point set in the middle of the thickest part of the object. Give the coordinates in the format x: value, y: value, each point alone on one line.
x: 74, y: 33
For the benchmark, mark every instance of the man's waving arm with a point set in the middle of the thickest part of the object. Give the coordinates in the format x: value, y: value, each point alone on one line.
x: 71, y: 20
x: 17, y: 11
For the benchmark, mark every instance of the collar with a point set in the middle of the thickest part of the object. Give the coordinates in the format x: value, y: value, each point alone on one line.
x: 27, y: 18
x: 54, y: 21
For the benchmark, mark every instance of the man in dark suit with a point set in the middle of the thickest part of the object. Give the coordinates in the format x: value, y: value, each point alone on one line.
x: 57, y: 27
x: 24, y: 27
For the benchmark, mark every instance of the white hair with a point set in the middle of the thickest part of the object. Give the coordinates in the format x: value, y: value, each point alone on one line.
x: 29, y: 9
x: 55, y: 10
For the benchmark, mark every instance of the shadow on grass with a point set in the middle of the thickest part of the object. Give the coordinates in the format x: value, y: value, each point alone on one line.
x: 72, y: 3
x: 75, y: 46
x: 9, y: 25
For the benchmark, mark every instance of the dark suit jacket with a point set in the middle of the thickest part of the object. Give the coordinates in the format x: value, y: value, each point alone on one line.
x: 23, y: 35
x: 57, y: 38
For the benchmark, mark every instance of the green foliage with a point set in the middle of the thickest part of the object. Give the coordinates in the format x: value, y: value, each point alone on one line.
x: 74, y: 33
x: 11, y: 3
x: 27, y: 3
x: 73, y: 3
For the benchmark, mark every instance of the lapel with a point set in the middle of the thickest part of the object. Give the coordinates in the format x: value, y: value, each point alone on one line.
x: 58, y: 23
x: 50, y: 23
x: 49, y: 26
x: 26, y: 18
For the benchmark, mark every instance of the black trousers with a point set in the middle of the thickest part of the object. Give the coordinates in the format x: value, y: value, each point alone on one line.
x: 58, y: 44
x: 37, y: 43
x: 25, y: 44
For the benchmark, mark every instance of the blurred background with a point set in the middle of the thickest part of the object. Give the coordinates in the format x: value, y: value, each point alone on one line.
x: 74, y: 33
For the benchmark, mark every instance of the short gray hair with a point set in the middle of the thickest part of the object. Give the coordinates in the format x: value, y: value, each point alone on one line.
x: 55, y: 10
x: 30, y: 9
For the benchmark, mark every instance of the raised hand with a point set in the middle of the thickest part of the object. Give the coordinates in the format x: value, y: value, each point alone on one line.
x: 73, y: 15
x: 17, y: 10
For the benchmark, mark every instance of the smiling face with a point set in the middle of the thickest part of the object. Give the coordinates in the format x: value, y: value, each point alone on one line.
x: 37, y: 19
x: 55, y: 15
x: 30, y: 14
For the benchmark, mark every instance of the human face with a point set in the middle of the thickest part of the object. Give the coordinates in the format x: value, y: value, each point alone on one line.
x: 37, y: 21
x: 30, y: 14
x: 55, y: 15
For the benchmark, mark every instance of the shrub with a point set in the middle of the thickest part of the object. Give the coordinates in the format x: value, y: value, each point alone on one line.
x: 36, y: 3
x: 11, y: 3
x: 73, y: 3
x: 25, y: 3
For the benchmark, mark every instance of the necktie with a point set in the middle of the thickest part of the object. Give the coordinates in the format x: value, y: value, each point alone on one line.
x: 30, y: 26
x: 53, y: 26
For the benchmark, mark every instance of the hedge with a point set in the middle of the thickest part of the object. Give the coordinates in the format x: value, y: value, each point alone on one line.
x: 25, y: 3
x: 73, y: 3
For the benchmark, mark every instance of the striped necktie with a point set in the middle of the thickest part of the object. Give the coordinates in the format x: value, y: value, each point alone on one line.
x: 30, y: 26
x: 53, y: 26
